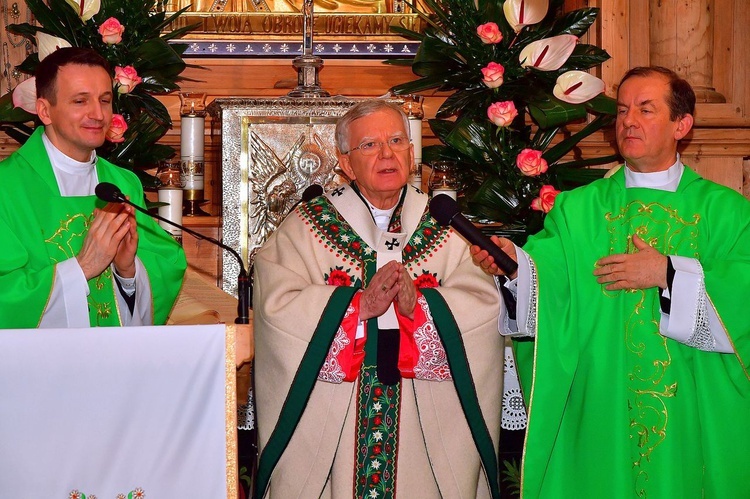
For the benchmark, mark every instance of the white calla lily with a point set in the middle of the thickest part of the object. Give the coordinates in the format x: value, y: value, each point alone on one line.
x: 576, y: 87
x: 24, y: 95
x: 548, y: 54
x: 46, y: 44
x: 86, y: 8
x: 520, y: 13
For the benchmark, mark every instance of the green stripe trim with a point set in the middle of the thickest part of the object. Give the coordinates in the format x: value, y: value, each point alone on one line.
x: 450, y: 335
x: 302, y: 386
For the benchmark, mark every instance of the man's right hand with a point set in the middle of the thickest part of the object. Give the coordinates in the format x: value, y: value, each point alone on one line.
x: 100, y: 245
x: 487, y: 263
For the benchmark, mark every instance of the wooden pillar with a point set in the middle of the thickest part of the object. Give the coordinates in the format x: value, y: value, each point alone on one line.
x: 682, y: 39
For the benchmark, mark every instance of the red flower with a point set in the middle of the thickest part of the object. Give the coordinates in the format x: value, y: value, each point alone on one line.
x: 378, y: 391
x: 356, y: 245
x: 376, y: 479
x: 377, y: 420
x: 377, y: 450
x: 339, y: 278
x: 426, y: 281
x: 335, y: 228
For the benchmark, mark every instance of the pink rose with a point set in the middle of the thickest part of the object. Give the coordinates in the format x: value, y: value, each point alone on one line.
x: 502, y: 113
x: 126, y: 79
x: 546, y: 199
x: 493, y: 74
x: 489, y: 33
x: 117, y: 129
x: 531, y: 163
x: 111, y: 31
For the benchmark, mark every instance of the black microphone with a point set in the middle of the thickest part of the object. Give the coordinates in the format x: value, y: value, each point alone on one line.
x: 313, y: 191
x: 444, y: 209
x: 112, y: 194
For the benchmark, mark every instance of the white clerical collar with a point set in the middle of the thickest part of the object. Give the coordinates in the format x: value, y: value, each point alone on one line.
x: 382, y: 217
x: 666, y: 180
x: 74, y: 178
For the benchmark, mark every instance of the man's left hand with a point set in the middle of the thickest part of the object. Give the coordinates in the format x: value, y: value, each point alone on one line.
x: 125, y: 258
x: 406, y: 299
x: 646, y: 268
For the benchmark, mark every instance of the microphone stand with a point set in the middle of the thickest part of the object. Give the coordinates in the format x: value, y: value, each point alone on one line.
x: 243, y: 279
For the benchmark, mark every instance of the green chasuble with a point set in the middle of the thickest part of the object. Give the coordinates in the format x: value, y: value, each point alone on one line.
x: 41, y: 228
x: 617, y: 410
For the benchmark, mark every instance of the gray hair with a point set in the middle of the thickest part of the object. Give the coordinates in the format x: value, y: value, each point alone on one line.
x: 364, y: 108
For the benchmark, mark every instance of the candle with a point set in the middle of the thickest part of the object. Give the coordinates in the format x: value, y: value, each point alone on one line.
x: 192, y: 175
x: 173, y: 211
x: 191, y: 137
x: 415, y: 130
x: 415, y: 175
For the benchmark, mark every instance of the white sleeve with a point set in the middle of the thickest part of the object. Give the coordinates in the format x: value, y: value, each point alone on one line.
x: 524, y: 288
x: 143, y: 310
x: 68, y: 305
x: 692, y: 319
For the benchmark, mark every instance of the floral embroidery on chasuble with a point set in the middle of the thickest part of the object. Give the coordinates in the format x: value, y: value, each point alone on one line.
x: 650, y: 381
x: 377, y: 405
x: 64, y: 239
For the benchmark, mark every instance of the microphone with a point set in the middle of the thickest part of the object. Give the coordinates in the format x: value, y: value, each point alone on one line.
x: 313, y: 191
x: 444, y: 209
x: 112, y: 194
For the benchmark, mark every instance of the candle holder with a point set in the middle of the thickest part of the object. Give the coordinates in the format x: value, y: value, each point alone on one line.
x: 412, y: 106
x: 443, y: 179
x: 170, y: 192
x: 192, y: 148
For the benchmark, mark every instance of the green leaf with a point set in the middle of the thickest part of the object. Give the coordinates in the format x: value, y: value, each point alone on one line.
x: 554, y: 154
x: 553, y: 112
x: 602, y: 104
x: 471, y: 137
x: 575, y: 23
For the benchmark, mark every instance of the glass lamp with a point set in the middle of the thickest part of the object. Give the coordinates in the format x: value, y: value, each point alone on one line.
x: 444, y: 179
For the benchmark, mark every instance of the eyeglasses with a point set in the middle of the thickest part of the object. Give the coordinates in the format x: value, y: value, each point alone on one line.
x: 371, y: 148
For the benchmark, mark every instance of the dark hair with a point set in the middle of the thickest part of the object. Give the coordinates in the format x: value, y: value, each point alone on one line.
x: 681, y: 100
x: 46, y: 71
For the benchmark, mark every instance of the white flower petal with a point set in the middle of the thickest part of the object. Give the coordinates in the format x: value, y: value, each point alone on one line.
x: 548, y: 54
x: 46, y: 44
x: 24, y: 95
x: 576, y: 87
x: 520, y: 13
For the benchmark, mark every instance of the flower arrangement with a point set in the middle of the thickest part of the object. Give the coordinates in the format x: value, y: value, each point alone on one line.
x: 517, y: 75
x: 128, y: 33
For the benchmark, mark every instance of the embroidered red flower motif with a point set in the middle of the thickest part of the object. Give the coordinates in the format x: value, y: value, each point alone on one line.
x: 390, y: 392
x: 426, y: 280
x: 339, y: 278
x: 335, y: 228
x: 356, y: 245
x: 377, y: 450
x: 378, y: 391
x: 376, y: 478
x: 377, y: 420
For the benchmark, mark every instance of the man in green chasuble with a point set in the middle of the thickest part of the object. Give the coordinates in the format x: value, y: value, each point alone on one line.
x: 68, y: 259
x: 378, y: 361
x: 632, y: 337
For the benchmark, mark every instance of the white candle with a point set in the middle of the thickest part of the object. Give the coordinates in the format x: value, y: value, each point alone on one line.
x: 448, y: 192
x: 191, y: 137
x: 173, y: 211
x: 193, y: 181
x: 415, y: 130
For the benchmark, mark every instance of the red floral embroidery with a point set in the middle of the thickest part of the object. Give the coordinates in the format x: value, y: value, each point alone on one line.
x: 426, y: 280
x: 339, y: 278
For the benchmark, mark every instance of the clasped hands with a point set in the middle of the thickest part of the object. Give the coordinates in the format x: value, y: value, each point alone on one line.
x: 112, y: 238
x: 390, y: 284
x: 646, y: 268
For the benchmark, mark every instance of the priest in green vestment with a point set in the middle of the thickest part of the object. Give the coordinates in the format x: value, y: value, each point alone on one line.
x: 631, y: 335
x: 378, y: 361
x: 67, y: 258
